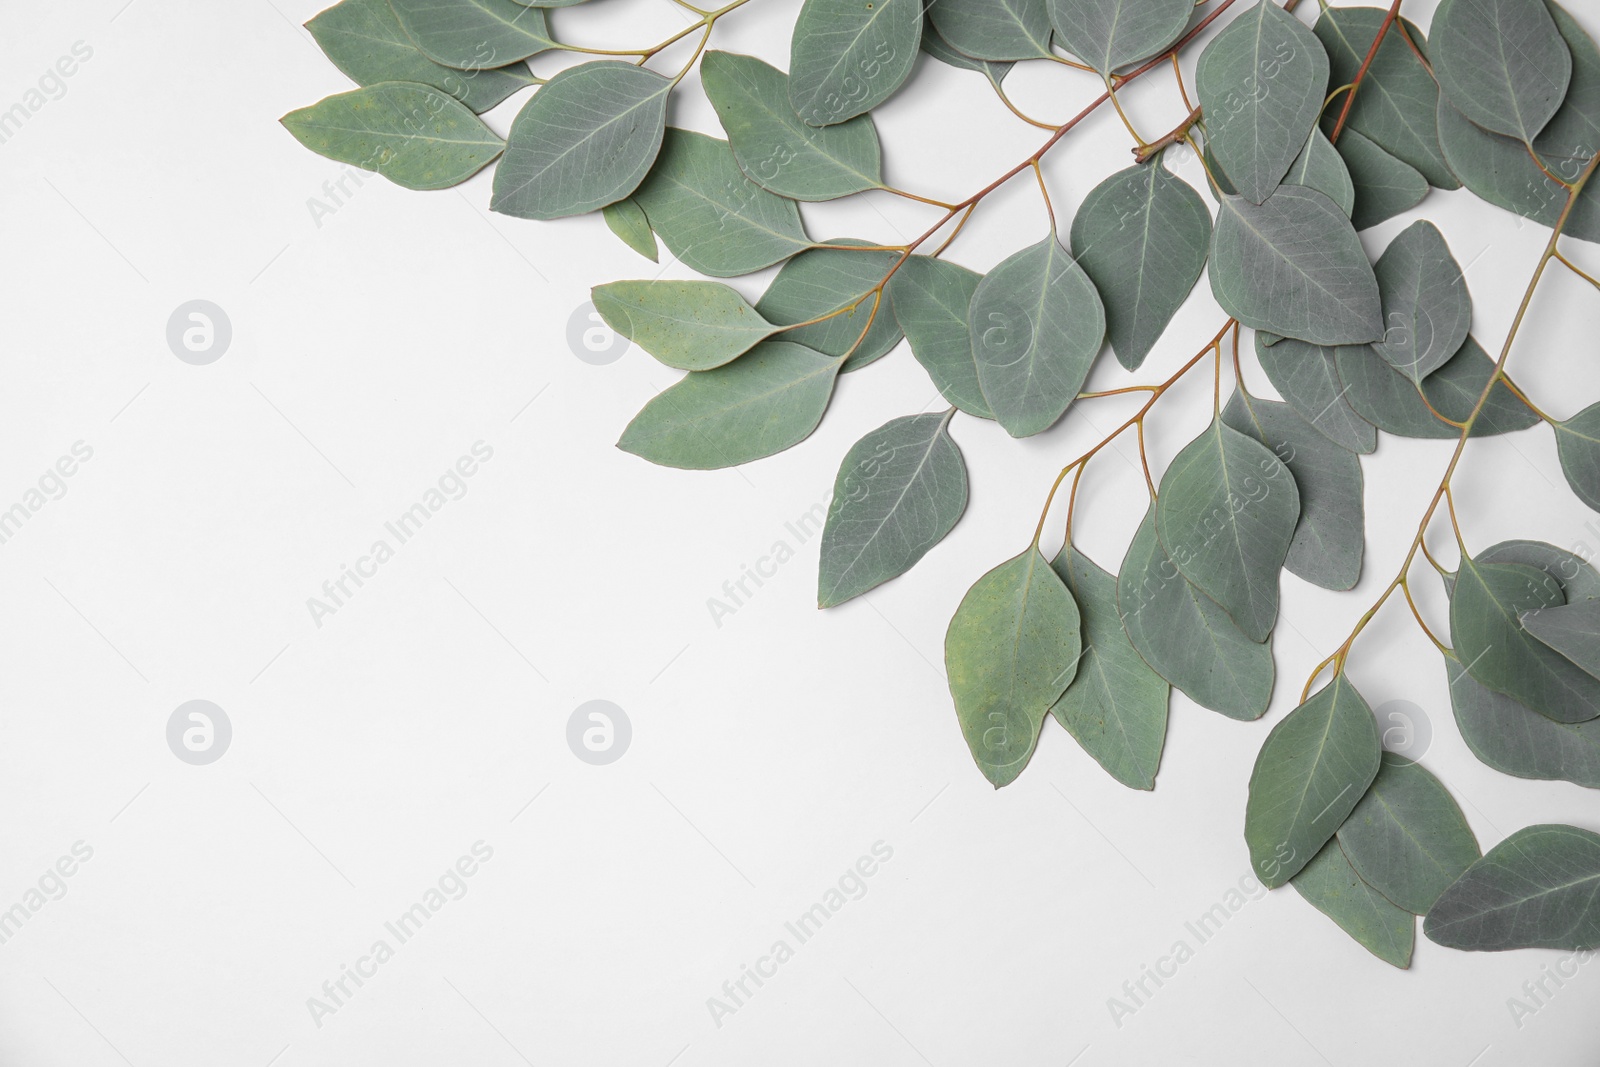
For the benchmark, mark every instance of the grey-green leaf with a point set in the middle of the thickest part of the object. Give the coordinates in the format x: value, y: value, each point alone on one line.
x: 899, y: 491
x: 1390, y: 400
x: 1395, y: 105
x: 823, y: 280
x: 585, y: 140
x: 1578, y: 445
x: 627, y: 220
x: 711, y: 216
x: 1330, y: 538
x: 1407, y: 838
x: 1426, y: 308
x: 685, y: 324
x: 1572, y: 629
x: 1502, y: 63
x: 758, y: 405
x: 1334, y: 888
x: 1308, y: 777
x: 774, y: 148
x: 1385, y: 185
x: 1011, y: 649
x: 1107, y: 34
x: 1485, y: 610
x: 415, y: 135
x: 1036, y: 324
x: 1293, y: 265
x: 994, y: 29
x: 1261, y: 83
x: 1319, y: 166
x: 848, y: 56
x: 1307, y: 377
x: 1142, y: 236
x: 1116, y: 706
x: 1536, y: 889
x: 1226, y: 511
x: 940, y: 49
x: 474, y: 34
x: 364, y: 39
x: 930, y: 298
x: 1577, y: 578
x: 1185, y: 637
x: 1514, y: 739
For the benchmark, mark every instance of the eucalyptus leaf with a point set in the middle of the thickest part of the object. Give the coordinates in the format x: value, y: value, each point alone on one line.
x: 415, y: 135
x: 1226, y: 511
x: 1426, y: 307
x: 940, y: 49
x: 1261, y: 83
x: 1116, y: 706
x: 994, y: 29
x: 1535, y: 889
x: 1334, y: 888
x: 1319, y: 166
x: 1572, y: 629
x: 1036, y: 324
x: 1330, y: 537
x: 774, y: 148
x: 823, y: 280
x: 364, y: 39
x: 1293, y: 265
x: 1310, y: 773
x: 1578, y: 445
x: 1142, y: 236
x: 758, y: 405
x: 585, y: 140
x: 930, y: 298
x: 1107, y: 34
x: 849, y: 56
x: 627, y: 220
x: 1306, y: 376
x: 899, y: 491
x: 1185, y: 637
x: 474, y: 34
x: 1385, y: 185
x: 1576, y: 577
x: 1407, y: 838
x: 1391, y: 401
x: 710, y: 215
x: 690, y: 325
x: 1514, y: 739
x: 1011, y: 649
x: 1502, y: 63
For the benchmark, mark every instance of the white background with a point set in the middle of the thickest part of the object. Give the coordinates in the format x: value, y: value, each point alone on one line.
x: 372, y: 350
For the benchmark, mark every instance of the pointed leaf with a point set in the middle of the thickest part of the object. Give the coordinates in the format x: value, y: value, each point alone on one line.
x: 1011, y: 649
x: 1514, y: 739
x: 1334, y: 888
x: 626, y: 219
x: 688, y: 325
x: 1536, y: 889
x: 1407, y: 838
x: 899, y: 491
x: 1306, y: 376
x: 1502, y: 63
x: 1319, y: 166
x: 849, y: 56
x: 1385, y: 186
x: 1426, y: 308
x: 474, y: 34
x: 1578, y: 445
x: 1107, y: 34
x: 994, y: 29
x: 930, y: 298
x: 1572, y: 629
x: 822, y: 281
x: 1390, y: 400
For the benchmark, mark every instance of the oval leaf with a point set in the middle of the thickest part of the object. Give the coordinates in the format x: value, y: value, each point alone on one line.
x: 930, y: 298
x: 688, y: 325
x: 1107, y: 34
x: 1306, y: 376
x: 822, y: 281
x: 1571, y: 629
x: 474, y: 34
x: 626, y: 219
x: 1502, y: 63
x: 1426, y: 307
x: 1334, y: 888
x: 937, y: 47
x: 1514, y: 739
x: 1535, y: 889
x: 1407, y: 838
x: 849, y: 56
x: 1385, y: 186
x: 994, y: 29
x: 1319, y: 166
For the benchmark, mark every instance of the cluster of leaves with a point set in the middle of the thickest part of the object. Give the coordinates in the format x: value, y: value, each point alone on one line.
x: 1308, y: 134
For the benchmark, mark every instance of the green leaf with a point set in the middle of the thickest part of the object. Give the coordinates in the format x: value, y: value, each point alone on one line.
x: 1185, y: 637
x: 1485, y: 611
x: 930, y: 298
x: 774, y: 148
x: 364, y: 39
x: 1294, y: 266
x: 688, y: 325
x: 585, y: 140
x: 1226, y: 511
x: 1571, y: 629
x: 1306, y: 376
x: 414, y: 135
x: 1310, y: 773
x: 1319, y: 166
x: 1385, y: 186
x: 1577, y: 579
x: 756, y: 406
x: 1116, y: 706
x: 1390, y: 400
x: 1407, y: 838
x: 1395, y: 106
x: 711, y: 216
x: 1334, y: 888
x: 626, y: 219
x: 1514, y: 739
x: 1502, y: 63
x: 1036, y: 324
x: 1578, y: 445
x: 1011, y: 649
x: 1330, y: 536
x: 474, y: 34
x: 937, y: 47
x: 1535, y: 889
x: 1426, y: 306
x: 824, y: 280
x: 994, y: 29
x: 1107, y: 34
x: 1142, y: 236
x: 849, y: 56
x: 899, y: 491
x: 1261, y: 83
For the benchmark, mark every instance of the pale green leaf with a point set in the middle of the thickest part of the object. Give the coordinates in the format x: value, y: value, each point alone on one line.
x: 690, y: 325
x: 1107, y: 34
x: 1319, y: 166
x: 930, y: 298
x: 626, y: 219
x: 848, y: 56
x: 474, y: 34
x: 1334, y: 888
x: 1514, y: 739
x: 1407, y: 838
x: 994, y: 29
x: 940, y: 49
x: 1502, y: 63
x: 1535, y: 889
x: 823, y: 280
